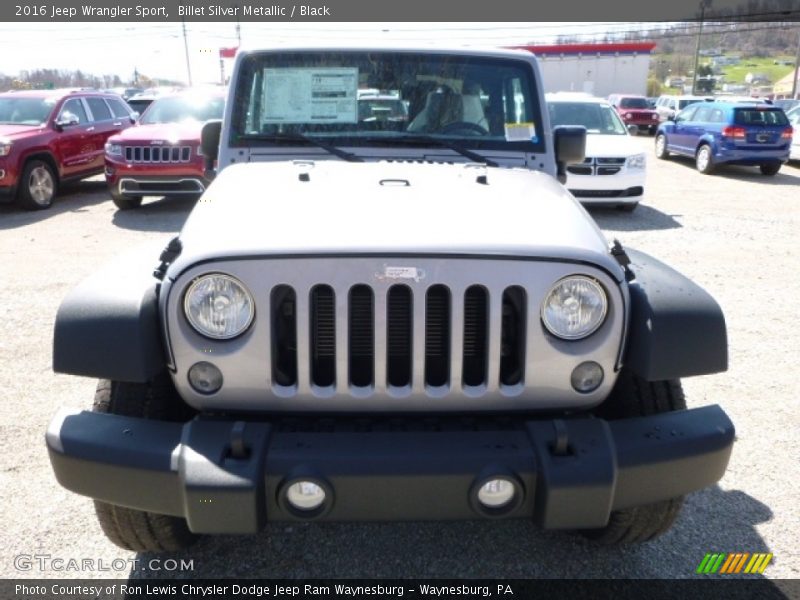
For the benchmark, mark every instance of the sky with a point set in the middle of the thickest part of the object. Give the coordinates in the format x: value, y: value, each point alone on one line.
x: 157, y: 49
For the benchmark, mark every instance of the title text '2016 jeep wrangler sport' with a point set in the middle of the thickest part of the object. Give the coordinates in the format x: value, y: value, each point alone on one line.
x: 388, y: 320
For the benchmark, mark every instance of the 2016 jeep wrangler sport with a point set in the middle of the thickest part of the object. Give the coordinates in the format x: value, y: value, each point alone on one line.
x: 388, y: 315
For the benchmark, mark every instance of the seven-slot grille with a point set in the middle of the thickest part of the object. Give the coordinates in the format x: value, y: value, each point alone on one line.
x: 158, y: 154
x: 470, y: 340
x: 597, y: 166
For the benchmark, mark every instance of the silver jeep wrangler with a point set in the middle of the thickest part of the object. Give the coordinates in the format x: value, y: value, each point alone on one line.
x: 392, y: 311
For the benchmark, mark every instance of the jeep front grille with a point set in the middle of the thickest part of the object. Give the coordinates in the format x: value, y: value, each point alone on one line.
x: 361, y: 334
x: 483, y: 337
x: 158, y: 154
x: 597, y: 166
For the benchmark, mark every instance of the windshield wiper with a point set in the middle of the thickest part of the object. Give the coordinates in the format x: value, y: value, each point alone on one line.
x: 423, y: 138
x: 301, y: 137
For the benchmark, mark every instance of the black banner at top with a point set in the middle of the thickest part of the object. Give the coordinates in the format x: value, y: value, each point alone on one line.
x: 404, y: 11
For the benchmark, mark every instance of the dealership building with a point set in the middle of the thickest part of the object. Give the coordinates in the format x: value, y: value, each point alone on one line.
x: 599, y: 69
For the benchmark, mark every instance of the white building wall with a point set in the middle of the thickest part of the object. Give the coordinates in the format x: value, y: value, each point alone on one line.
x: 599, y: 75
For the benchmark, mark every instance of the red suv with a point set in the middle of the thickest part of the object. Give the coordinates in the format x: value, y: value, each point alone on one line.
x: 48, y: 137
x: 635, y: 110
x: 161, y: 155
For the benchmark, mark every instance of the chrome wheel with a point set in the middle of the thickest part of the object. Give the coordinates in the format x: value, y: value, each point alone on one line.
x: 703, y: 159
x: 41, y: 186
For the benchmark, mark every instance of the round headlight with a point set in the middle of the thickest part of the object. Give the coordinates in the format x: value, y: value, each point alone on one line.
x: 218, y: 306
x: 574, y: 308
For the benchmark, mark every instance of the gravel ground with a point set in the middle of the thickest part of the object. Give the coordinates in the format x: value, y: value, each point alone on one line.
x: 734, y: 233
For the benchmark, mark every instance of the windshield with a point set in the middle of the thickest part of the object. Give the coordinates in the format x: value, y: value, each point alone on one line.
x: 597, y: 118
x: 25, y: 111
x: 371, y: 98
x: 633, y: 103
x: 760, y: 116
x: 177, y: 109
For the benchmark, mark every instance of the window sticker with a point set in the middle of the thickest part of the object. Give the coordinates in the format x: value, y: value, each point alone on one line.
x: 310, y: 95
x: 521, y: 132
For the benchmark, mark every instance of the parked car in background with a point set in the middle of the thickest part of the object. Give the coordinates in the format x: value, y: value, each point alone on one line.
x: 161, y: 155
x: 669, y: 106
x: 48, y: 137
x: 738, y: 133
x: 635, y: 110
x: 381, y: 108
x: 794, y: 119
x: 125, y: 92
x: 613, y: 172
x: 140, y: 101
x: 786, y: 104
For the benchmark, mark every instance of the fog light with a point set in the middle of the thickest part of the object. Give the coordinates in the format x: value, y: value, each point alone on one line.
x: 496, y: 493
x: 2, y: 174
x: 205, y: 378
x: 587, y: 377
x: 305, y: 495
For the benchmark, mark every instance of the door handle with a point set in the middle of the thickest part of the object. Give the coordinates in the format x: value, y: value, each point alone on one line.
x: 90, y: 129
x: 118, y: 124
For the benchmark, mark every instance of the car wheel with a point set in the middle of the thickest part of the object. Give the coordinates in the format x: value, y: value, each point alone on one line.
x: 123, y: 202
x: 38, y: 185
x: 633, y: 396
x: 138, y: 530
x: 661, y: 146
x: 703, y: 159
x: 770, y: 168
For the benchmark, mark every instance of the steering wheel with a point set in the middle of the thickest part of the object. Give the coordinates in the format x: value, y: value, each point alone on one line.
x: 465, y: 126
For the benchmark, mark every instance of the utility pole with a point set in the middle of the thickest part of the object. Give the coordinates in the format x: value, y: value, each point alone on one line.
x: 703, y: 4
x: 186, y: 48
x: 796, y: 68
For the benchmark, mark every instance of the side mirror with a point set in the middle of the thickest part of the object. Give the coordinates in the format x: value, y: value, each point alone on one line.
x: 633, y: 129
x: 570, y: 145
x: 135, y: 116
x: 66, y: 120
x: 209, y: 145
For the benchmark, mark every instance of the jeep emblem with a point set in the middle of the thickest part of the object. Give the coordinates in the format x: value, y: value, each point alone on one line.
x: 391, y: 272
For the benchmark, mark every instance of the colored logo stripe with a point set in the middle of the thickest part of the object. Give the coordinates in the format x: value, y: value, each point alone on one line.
x: 734, y: 562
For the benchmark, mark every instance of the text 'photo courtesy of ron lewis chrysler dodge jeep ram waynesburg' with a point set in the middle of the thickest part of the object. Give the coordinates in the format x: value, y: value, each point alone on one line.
x: 388, y: 319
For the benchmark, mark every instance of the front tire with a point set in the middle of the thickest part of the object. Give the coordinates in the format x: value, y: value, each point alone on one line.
x: 704, y: 160
x: 661, y: 146
x: 770, y: 169
x: 632, y: 396
x: 123, y: 202
x: 38, y: 185
x: 138, y: 530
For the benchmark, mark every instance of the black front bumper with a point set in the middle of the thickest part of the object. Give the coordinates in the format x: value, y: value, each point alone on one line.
x: 230, y: 477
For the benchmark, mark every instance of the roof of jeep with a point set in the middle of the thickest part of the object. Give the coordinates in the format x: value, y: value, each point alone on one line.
x: 389, y: 47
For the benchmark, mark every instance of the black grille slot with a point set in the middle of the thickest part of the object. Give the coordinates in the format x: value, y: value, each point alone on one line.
x: 323, y: 336
x: 146, y: 154
x: 475, y: 345
x: 399, y: 324
x: 512, y: 336
x: 437, y: 336
x: 607, y: 170
x: 579, y: 170
x: 361, y: 337
x: 283, y: 303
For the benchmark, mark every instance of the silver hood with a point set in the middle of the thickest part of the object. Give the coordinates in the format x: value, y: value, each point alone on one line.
x: 334, y: 207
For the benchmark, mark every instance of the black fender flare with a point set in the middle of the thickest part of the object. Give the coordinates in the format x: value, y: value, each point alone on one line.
x: 108, y: 326
x: 676, y: 329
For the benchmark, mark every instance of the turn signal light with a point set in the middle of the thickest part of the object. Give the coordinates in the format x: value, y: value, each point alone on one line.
x: 734, y: 132
x: 787, y: 133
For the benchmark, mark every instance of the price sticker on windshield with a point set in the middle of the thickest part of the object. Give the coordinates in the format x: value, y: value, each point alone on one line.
x: 521, y: 132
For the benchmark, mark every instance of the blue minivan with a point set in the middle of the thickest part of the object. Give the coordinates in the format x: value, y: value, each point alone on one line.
x: 738, y: 133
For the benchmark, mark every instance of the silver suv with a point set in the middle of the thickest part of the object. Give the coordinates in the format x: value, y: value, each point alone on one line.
x: 669, y: 106
x: 386, y: 319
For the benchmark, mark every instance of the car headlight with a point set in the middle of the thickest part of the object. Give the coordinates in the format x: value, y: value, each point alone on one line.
x: 636, y: 161
x: 628, y: 115
x: 5, y: 148
x: 113, y: 149
x: 574, y: 307
x: 655, y: 117
x: 218, y: 306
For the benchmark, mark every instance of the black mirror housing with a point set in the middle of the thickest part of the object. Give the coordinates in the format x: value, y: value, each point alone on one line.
x: 209, y: 144
x: 570, y: 146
